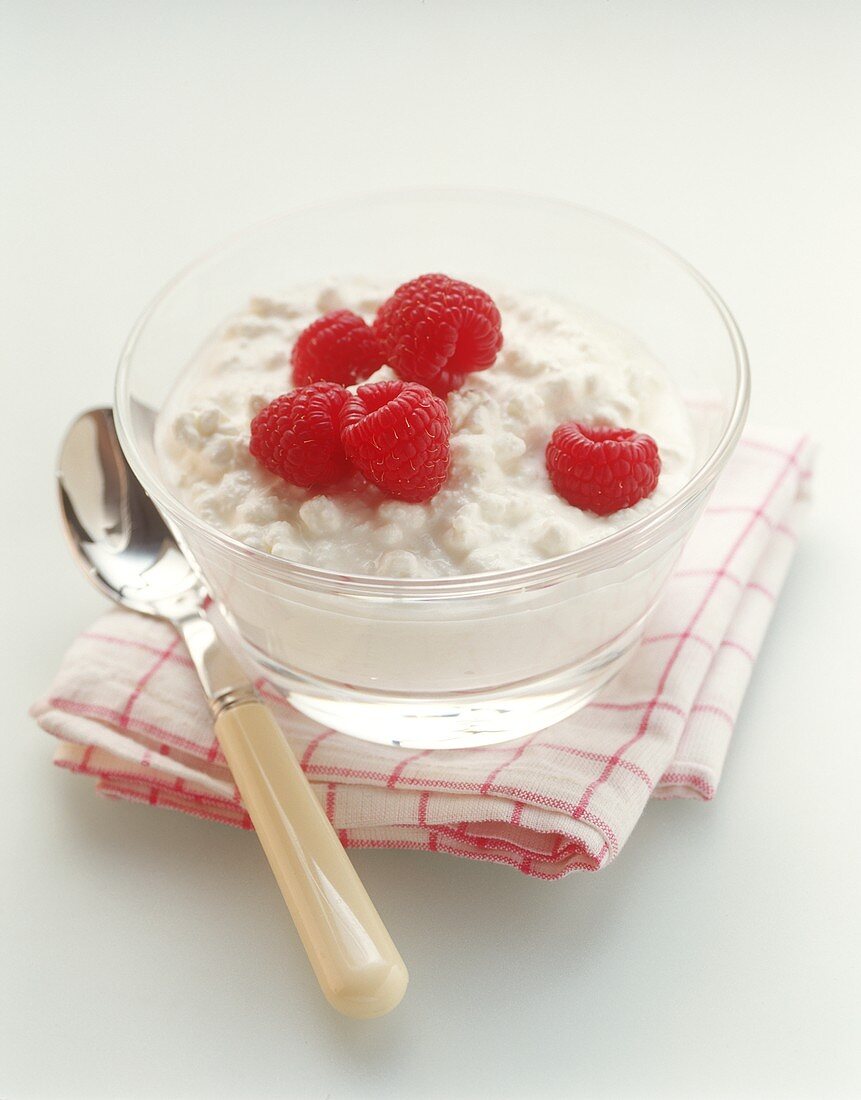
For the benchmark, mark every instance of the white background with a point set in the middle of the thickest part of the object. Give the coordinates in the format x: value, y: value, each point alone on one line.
x: 143, y: 954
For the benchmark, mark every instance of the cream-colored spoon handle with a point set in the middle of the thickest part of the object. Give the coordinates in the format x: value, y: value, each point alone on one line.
x: 356, y: 963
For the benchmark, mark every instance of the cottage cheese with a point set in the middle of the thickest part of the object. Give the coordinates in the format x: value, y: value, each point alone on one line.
x: 497, y: 509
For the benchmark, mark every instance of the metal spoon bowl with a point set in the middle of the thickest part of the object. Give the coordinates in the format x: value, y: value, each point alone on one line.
x: 122, y: 543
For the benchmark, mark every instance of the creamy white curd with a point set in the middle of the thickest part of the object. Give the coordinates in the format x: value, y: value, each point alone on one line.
x: 497, y: 509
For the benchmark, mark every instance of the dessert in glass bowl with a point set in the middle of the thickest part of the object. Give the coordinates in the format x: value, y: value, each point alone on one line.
x: 436, y: 509
x: 495, y: 509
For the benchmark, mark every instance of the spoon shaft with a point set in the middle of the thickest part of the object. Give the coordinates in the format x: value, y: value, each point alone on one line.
x: 356, y: 963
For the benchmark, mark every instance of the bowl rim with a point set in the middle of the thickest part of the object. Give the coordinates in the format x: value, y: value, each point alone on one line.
x: 595, y: 557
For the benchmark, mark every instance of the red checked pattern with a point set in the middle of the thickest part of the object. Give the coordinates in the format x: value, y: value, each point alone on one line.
x: 127, y: 710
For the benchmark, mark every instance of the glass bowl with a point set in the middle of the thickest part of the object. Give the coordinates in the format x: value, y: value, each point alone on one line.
x: 465, y: 660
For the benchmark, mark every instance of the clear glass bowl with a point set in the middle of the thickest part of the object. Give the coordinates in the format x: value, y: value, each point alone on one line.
x: 465, y: 660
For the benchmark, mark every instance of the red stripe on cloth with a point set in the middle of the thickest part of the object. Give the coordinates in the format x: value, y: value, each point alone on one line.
x: 422, y: 817
x: 312, y: 747
x: 727, y: 643
x: 675, y: 636
x: 710, y: 708
x: 144, y: 680
x: 461, y: 833
x: 791, y: 457
x: 516, y: 753
x: 501, y: 857
x: 754, y: 586
x: 134, y: 643
x: 661, y: 704
x: 496, y: 843
x: 356, y: 842
x: 398, y: 770
x: 772, y: 524
x: 612, y: 844
x: 599, y: 758
x: 689, y: 779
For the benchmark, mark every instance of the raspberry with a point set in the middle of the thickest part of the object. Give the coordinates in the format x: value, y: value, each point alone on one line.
x: 297, y: 436
x: 602, y: 469
x: 396, y: 433
x: 337, y: 347
x: 436, y: 330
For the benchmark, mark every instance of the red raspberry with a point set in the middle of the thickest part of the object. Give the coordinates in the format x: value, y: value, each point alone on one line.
x: 436, y: 330
x: 602, y: 469
x: 337, y: 347
x: 297, y: 436
x: 396, y: 433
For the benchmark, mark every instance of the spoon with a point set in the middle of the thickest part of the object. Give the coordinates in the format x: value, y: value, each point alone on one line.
x: 128, y: 552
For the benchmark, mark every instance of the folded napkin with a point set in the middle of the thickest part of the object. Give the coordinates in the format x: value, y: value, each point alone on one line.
x: 127, y: 709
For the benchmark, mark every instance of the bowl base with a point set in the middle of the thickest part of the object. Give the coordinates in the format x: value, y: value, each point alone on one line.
x: 456, y: 720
